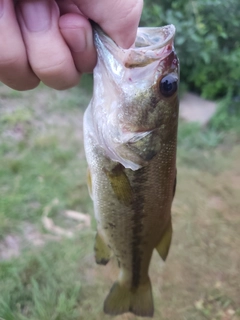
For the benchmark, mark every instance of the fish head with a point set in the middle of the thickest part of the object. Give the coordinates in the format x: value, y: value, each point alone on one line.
x: 135, y: 91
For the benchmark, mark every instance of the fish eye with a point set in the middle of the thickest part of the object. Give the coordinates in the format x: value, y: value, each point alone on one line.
x: 168, y: 85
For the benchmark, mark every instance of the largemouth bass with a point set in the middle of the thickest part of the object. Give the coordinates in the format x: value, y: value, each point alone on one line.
x: 130, y: 137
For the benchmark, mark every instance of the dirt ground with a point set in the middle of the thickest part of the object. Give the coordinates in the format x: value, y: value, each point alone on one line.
x: 196, y: 109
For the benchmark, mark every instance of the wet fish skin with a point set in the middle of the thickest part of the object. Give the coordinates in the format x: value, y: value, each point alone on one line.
x: 130, y: 133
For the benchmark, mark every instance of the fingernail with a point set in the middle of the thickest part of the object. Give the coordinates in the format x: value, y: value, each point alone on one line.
x: 37, y: 14
x: 1, y: 8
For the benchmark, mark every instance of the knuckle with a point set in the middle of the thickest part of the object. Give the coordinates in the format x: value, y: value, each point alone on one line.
x: 10, y: 60
x: 51, y: 67
x: 59, y: 73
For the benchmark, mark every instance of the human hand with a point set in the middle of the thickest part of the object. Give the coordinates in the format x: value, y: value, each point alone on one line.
x: 51, y: 41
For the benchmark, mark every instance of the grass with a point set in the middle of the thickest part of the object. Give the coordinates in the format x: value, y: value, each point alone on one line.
x: 38, y: 147
x: 42, y: 161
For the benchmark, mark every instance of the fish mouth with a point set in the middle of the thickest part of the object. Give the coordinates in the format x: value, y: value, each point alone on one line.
x: 151, y: 44
x: 154, y: 38
x: 149, y: 38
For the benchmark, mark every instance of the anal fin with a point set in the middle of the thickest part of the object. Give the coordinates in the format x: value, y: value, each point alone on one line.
x: 102, y: 251
x: 165, y: 242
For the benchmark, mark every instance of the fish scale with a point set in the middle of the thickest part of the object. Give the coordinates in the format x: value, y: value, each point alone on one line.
x: 130, y: 135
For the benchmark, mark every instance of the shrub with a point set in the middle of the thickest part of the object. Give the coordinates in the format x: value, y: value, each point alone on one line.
x: 207, y: 42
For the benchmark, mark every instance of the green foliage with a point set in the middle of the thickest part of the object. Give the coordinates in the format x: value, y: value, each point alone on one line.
x: 227, y: 117
x: 207, y: 42
x: 192, y: 135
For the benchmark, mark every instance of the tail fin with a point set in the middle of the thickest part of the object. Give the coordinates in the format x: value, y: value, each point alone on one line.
x: 138, y: 301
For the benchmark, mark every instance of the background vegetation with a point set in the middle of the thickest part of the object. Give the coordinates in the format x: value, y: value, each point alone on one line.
x: 207, y: 42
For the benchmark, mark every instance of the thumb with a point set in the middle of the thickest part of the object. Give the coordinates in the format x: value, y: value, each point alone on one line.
x: 118, y: 18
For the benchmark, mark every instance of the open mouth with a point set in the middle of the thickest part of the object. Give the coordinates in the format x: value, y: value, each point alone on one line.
x: 154, y: 38
x: 152, y: 44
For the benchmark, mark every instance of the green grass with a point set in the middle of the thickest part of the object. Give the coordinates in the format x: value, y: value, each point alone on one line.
x: 45, y: 284
x: 41, y: 154
x: 42, y: 161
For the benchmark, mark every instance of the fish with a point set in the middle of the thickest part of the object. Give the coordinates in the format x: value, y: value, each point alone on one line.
x: 130, y: 140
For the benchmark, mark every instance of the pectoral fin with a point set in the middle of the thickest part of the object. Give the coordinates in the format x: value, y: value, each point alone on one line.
x: 165, y: 242
x: 120, y: 184
x: 102, y: 251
